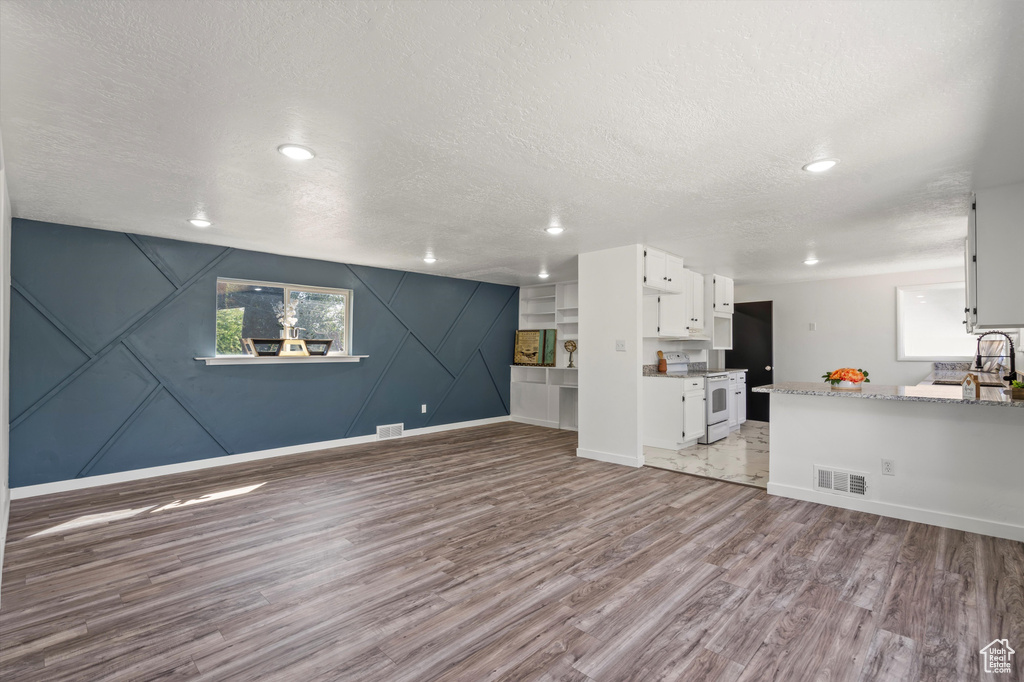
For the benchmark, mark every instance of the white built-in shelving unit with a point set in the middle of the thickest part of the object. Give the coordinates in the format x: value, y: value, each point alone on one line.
x: 547, y: 396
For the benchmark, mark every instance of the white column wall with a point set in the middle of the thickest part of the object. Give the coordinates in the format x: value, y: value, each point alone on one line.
x: 610, y: 427
x: 5, y: 337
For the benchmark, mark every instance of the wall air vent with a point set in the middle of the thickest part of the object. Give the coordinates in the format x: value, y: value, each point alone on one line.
x: 389, y: 431
x: 840, y: 482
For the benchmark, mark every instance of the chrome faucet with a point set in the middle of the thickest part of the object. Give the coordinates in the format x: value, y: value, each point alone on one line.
x: 1013, y: 360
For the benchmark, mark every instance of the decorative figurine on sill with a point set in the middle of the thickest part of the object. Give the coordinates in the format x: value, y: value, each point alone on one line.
x: 570, y: 348
x: 972, y: 387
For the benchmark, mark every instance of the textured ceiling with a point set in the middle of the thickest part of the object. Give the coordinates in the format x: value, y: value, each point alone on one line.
x: 462, y: 127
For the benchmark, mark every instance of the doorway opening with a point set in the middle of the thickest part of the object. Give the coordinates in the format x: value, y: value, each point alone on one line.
x: 743, y: 455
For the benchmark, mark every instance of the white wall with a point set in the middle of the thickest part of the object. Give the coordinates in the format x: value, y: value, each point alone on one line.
x: 697, y: 350
x: 5, y: 336
x: 856, y: 325
x: 609, y: 393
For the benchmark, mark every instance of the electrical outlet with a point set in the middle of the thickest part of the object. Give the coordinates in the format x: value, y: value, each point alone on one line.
x: 888, y: 467
x: 423, y: 409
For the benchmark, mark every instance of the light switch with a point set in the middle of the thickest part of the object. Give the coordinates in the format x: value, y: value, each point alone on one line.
x: 813, y: 326
x: 620, y: 345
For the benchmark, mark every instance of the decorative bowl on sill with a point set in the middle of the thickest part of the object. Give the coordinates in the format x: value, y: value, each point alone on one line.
x: 846, y: 378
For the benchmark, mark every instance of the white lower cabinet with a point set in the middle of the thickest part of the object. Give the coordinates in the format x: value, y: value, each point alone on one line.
x: 545, y: 396
x: 737, y: 399
x: 673, y: 411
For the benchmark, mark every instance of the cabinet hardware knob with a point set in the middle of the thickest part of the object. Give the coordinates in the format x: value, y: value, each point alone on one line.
x: 768, y: 367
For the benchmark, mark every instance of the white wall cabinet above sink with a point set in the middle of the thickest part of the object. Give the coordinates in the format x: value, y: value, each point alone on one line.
x: 995, y: 242
x: 663, y: 272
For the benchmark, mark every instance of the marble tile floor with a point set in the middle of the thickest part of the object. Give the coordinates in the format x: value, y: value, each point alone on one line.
x: 742, y: 457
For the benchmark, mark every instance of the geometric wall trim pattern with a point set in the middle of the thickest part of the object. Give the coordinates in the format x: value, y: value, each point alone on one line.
x: 105, y: 326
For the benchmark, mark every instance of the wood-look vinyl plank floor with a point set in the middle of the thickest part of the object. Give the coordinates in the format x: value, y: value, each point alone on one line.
x: 490, y: 553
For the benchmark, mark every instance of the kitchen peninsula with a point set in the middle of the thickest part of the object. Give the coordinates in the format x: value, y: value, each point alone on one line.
x: 954, y: 462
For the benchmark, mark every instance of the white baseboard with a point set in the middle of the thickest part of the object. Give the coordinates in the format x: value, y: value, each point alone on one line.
x: 535, y: 422
x: 151, y: 472
x: 610, y: 457
x: 898, y: 511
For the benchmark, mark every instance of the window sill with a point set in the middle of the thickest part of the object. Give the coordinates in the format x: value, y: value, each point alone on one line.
x: 278, y: 359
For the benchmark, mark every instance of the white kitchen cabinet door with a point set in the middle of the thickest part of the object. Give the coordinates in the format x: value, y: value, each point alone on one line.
x: 723, y: 294
x: 675, y: 274
x: 741, y: 404
x: 694, y: 420
x: 655, y: 269
x: 970, y: 277
x: 998, y: 241
x: 663, y: 412
x: 731, y: 401
x: 650, y: 316
x: 672, y: 316
x: 696, y: 298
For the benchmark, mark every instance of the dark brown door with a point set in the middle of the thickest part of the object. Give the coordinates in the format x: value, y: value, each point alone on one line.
x: 752, y: 351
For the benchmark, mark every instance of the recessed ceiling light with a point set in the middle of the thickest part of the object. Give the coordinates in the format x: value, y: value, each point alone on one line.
x: 297, y: 152
x: 821, y: 165
x: 555, y: 229
x: 811, y: 261
x: 543, y: 275
x: 429, y: 259
x: 199, y: 222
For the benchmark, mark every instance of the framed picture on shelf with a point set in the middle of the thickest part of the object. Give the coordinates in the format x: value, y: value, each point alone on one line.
x: 548, y: 347
x: 535, y: 347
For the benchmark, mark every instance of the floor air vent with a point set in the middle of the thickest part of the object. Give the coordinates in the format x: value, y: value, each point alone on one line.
x: 389, y: 431
x: 840, y: 482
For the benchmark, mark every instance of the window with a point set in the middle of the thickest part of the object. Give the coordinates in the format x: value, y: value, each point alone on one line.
x: 930, y: 323
x: 247, y: 309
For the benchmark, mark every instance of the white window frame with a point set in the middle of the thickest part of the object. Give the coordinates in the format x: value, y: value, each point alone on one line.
x: 288, y: 288
x: 901, y: 356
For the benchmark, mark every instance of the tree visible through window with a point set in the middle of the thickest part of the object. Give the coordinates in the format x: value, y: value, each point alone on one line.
x: 247, y: 309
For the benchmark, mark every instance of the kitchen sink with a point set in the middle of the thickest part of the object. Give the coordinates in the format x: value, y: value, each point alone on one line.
x: 948, y: 382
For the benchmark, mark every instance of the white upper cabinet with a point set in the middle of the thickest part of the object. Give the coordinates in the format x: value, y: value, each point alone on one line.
x: 695, y: 298
x: 673, y: 316
x: 722, y: 294
x: 665, y: 316
x: 663, y: 271
x: 655, y: 269
x: 675, y: 275
x: 995, y: 244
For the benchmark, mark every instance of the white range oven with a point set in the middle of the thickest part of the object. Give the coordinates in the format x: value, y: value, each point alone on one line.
x: 717, y: 387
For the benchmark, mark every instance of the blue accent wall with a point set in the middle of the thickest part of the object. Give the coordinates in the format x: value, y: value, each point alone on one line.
x: 105, y: 326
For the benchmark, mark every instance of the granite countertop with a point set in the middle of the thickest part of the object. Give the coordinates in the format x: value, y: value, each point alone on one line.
x: 920, y: 393
x: 652, y: 371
